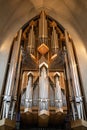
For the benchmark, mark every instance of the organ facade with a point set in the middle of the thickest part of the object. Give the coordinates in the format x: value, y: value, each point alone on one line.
x: 43, y: 81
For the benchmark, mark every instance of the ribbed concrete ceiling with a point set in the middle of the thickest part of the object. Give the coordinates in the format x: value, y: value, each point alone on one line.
x: 72, y: 14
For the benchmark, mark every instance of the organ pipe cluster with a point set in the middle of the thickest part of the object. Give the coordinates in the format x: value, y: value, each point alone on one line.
x: 10, y: 95
x: 43, y: 31
x: 44, y: 87
x: 58, y: 96
x: 76, y: 99
x: 43, y: 90
x: 29, y: 94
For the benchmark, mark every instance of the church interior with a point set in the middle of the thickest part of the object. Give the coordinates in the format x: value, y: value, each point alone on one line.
x: 43, y: 65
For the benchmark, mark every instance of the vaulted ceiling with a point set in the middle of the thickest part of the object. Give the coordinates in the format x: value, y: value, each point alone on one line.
x: 72, y: 14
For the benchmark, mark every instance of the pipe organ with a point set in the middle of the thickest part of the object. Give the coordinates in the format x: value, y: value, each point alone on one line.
x: 42, y: 70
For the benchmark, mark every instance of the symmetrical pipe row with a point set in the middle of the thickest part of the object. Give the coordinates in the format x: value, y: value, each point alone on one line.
x: 43, y: 99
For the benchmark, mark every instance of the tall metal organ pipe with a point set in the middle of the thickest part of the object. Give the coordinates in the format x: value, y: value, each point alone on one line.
x: 31, y: 40
x: 75, y: 79
x: 54, y: 41
x: 71, y: 94
x: 11, y: 77
x: 43, y: 91
x: 28, y: 96
x: 43, y: 31
x: 15, y: 89
x: 58, y: 95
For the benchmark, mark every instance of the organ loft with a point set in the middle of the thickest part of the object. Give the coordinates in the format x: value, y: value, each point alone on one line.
x: 42, y: 87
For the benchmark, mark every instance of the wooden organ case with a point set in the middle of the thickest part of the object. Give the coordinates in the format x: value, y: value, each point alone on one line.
x: 43, y: 93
